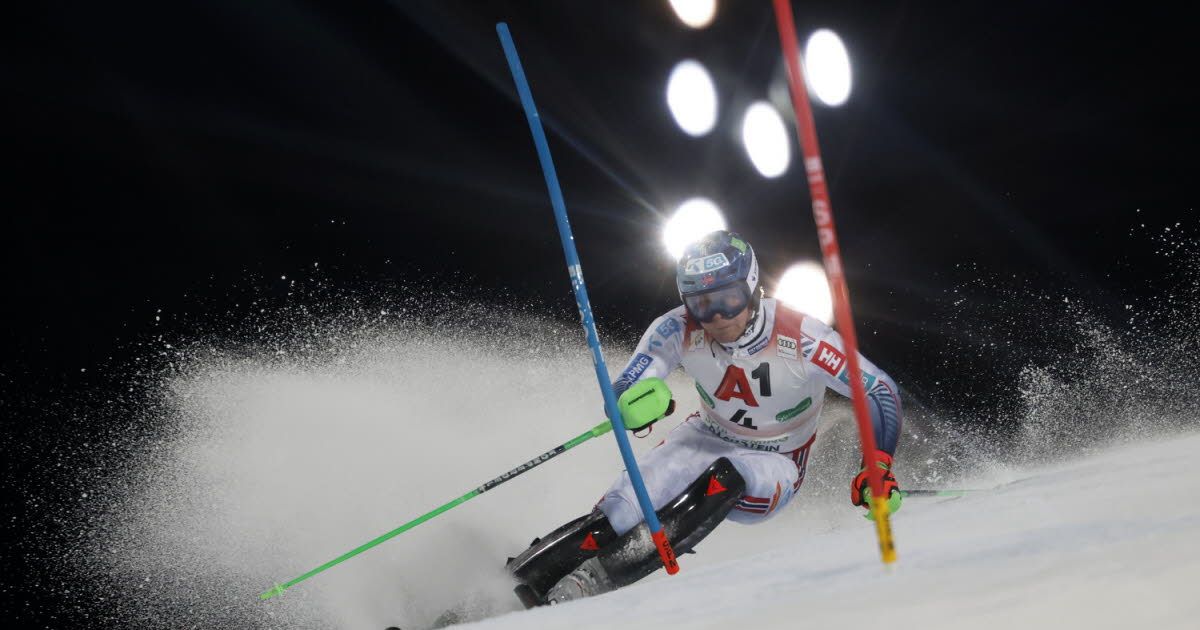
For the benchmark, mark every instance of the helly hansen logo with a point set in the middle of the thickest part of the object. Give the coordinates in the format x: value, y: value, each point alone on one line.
x: 829, y: 358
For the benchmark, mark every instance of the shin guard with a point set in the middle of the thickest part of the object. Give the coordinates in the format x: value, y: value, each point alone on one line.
x: 556, y: 554
x: 688, y: 518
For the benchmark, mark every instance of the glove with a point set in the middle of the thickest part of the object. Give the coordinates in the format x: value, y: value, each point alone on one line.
x: 644, y: 403
x: 860, y: 488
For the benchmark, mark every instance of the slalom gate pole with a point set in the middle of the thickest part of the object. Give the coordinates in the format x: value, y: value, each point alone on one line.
x: 666, y: 554
x: 596, y: 431
x: 823, y: 215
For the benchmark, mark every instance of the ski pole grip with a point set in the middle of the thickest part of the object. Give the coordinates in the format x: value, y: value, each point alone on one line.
x: 665, y: 552
x: 644, y: 403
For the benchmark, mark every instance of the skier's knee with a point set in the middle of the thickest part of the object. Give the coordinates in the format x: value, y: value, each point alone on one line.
x: 771, y: 482
x: 623, y: 513
x: 687, y: 519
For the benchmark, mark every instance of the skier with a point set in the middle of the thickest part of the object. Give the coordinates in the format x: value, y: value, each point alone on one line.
x: 761, y: 370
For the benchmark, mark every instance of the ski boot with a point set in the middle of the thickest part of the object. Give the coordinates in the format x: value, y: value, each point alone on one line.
x: 585, y: 557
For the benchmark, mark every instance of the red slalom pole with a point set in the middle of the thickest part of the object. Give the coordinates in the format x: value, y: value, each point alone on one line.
x: 827, y: 235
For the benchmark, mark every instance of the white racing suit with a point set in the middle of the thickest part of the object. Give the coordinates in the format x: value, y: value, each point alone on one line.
x: 761, y: 400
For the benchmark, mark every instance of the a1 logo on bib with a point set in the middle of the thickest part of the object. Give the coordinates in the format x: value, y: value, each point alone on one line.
x: 785, y: 346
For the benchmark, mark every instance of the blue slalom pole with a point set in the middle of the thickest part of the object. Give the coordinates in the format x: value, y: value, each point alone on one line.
x: 581, y: 298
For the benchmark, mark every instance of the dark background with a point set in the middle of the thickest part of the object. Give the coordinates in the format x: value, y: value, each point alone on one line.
x: 163, y: 154
x: 177, y: 163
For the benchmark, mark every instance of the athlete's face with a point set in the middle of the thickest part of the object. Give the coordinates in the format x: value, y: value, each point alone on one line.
x: 727, y: 330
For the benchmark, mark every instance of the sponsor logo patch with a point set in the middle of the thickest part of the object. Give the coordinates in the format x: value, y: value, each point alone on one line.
x: 697, y: 266
x: 829, y: 358
x: 759, y: 346
x: 770, y: 445
x: 637, y: 366
x: 868, y: 379
x: 668, y: 328
x: 785, y: 347
x: 735, y: 385
x: 697, y: 341
x: 788, y: 414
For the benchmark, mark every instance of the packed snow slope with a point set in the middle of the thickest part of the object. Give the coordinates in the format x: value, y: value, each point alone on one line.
x: 258, y: 461
x: 1108, y: 541
x: 265, y: 443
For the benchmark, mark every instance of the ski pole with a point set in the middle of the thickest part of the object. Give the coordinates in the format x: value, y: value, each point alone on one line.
x: 936, y: 493
x: 659, y: 535
x: 596, y: 431
x: 823, y: 216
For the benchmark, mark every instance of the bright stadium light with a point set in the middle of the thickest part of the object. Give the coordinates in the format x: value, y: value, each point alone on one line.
x: 694, y: 218
x: 804, y: 288
x: 827, y: 67
x: 692, y: 98
x: 695, y: 13
x: 766, y: 139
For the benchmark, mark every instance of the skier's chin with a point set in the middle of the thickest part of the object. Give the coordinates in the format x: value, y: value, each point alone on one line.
x: 724, y: 332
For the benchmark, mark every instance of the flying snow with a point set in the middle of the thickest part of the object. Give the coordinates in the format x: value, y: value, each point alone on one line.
x: 300, y: 432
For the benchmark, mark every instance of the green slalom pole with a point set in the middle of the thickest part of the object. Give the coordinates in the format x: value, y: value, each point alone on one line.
x: 596, y: 431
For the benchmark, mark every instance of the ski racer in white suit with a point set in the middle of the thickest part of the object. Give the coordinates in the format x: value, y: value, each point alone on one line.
x: 761, y: 370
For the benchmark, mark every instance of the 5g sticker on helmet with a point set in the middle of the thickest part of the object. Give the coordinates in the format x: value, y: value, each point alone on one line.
x: 697, y: 266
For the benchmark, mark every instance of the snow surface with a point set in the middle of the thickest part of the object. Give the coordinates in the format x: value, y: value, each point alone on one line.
x: 270, y: 459
x: 1104, y: 542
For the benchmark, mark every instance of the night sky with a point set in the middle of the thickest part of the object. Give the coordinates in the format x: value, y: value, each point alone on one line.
x: 172, y: 165
x: 168, y: 160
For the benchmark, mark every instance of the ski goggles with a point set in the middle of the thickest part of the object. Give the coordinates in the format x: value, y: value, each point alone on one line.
x: 728, y: 302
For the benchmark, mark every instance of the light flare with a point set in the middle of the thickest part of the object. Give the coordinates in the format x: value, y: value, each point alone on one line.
x: 766, y: 140
x: 694, y: 218
x: 827, y: 68
x: 695, y: 13
x: 805, y: 288
x: 692, y: 98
